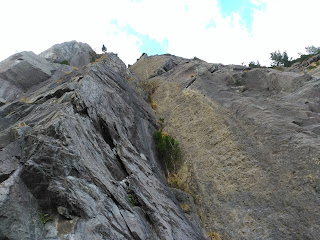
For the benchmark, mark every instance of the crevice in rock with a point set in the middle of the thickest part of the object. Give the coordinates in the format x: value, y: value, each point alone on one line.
x: 297, y: 123
x: 79, y: 106
x: 191, y: 82
x: 115, y: 165
x: 105, y: 133
x: 79, y: 78
x: 149, y: 221
x: 131, y: 233
x: 122, y: 167
x: 57, y: 94
x: 114, y: 200
x: 4, y: 177
x: 84, y: 112
x: 116, y: 168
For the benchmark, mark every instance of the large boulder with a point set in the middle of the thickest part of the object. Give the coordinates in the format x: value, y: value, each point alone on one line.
x: 77, y: 54
x: 21, y: 71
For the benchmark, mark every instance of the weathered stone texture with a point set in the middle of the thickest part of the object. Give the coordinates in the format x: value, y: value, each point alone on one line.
x: 250, y: 139
x: 77, y: 54
x: 72, y: 154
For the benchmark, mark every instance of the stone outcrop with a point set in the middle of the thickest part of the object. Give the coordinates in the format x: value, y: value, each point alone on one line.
x: 77, y: 54
x: 20, y: 72
x: 24, y: 71
x: 251, y: 144
x: 78, y: 162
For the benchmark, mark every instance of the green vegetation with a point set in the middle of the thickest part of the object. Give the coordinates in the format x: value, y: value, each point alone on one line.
x: 132, y: 198
x: 302, y: 58
x: 93, y: 59
x: 312, y: 50
x: 280, y: 59
x: 252, y: 64
x: 65, y: 62
x: 169, y: 150
x: 310, y: 67
x: 45, y: 218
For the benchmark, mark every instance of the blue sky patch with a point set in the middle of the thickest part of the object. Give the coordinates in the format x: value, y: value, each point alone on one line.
x: 243, y: 7
x: 152, y: 46
x: 211, y: 24
x: 149, y: 46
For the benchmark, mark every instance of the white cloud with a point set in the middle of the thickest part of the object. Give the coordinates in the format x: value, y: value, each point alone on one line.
x: 285, y: 25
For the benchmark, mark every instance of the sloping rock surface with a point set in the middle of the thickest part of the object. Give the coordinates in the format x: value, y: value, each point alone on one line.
x: 78, y: 162
x: 251, y: 144
x: 78, y: 54
x: 21, y: 71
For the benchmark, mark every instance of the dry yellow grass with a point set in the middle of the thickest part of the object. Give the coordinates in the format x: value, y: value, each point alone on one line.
x: 101, y: 58
x: 185, y: 207
x: 208, y: 146
x: 174, y: 181
x: 25, y: 99
x: 214, y: 236
x: 22, y: 124
x: 153, y: 105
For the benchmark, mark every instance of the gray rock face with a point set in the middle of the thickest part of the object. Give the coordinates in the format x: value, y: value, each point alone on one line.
x: 251, y: 145
x: 154, y: 65
x: 78, y: 162
x: 8, y: 91
x: 78, y: 54
x: 21, y: 71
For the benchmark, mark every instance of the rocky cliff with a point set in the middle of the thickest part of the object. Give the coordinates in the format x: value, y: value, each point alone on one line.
x: 78, y: 160
x: 77, y: 156
x: 251, y: 144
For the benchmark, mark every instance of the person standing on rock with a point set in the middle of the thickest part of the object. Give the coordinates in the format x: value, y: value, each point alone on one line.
x: 104, y: 49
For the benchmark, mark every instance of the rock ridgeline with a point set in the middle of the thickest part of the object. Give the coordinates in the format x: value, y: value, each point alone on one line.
x: 77, y: 156
x: 78, y: 161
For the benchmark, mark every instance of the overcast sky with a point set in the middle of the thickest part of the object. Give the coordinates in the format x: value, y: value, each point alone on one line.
x: 218, y: 31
